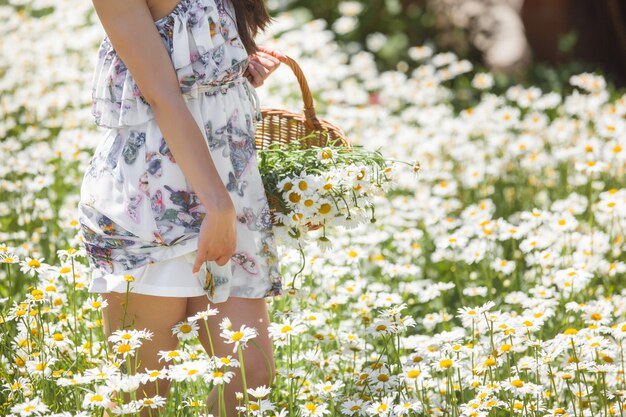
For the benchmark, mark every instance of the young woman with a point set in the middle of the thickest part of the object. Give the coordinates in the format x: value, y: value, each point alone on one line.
x: 174, y: 184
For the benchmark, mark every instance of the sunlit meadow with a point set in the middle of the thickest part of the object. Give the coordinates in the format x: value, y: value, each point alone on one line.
x: 490, y: 284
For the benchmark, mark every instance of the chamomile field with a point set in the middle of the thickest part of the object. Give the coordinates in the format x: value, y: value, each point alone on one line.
x: 491, y: 282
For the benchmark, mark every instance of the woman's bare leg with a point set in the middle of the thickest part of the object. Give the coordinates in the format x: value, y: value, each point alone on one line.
x: 157, y: 314
x: 258, y: 357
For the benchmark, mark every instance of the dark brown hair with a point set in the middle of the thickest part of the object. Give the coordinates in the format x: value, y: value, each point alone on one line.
x: 252, y: 17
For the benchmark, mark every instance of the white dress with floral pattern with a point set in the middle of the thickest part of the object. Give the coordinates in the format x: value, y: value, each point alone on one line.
x: 138, y: 214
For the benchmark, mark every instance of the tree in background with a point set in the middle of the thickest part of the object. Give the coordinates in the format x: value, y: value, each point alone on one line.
x: 538, y: 41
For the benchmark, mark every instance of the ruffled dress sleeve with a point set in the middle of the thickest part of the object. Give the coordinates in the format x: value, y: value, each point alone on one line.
x: 204, y: 46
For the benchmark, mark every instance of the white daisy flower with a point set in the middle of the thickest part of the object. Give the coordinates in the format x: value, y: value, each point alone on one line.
x: 186, y: 330
x: 239, y: 337
x: 30, y: 407
x: 97, y: 399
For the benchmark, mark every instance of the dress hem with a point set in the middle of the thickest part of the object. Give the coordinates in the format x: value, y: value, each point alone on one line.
x: 115, y: 282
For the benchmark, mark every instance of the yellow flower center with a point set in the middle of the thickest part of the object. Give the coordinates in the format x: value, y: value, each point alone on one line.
x: 518, y: 383
x: 124, y: 348
x: 445, y: 363
x: 294, y: 197
x: 413, y: 373
x: 324, y: 208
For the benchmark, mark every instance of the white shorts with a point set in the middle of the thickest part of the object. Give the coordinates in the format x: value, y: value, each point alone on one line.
x: 169, y: 278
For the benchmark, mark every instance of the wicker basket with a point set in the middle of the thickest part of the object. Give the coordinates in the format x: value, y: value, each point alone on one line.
x: 283, y: 126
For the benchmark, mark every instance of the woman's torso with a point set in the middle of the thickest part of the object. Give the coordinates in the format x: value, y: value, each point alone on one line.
x: 159, y: 9
x: 203, y: 42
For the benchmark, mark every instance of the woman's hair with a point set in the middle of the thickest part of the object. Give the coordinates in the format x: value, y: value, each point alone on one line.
x: 252, y: 17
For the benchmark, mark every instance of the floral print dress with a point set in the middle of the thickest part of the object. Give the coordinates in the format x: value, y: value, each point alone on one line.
x: 138, y: 214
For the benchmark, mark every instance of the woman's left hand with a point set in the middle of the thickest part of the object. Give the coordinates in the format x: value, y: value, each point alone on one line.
x: 262, y: 64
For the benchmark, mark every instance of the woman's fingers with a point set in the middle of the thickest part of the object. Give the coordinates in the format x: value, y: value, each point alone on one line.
x: 200, y: 257
x: 260, y: 69
x: 268, y: 61
x: 221, y: 257
x: 222, y: 260
x: 261, y: 64
x: 257, y: 78
x: 274, y: 52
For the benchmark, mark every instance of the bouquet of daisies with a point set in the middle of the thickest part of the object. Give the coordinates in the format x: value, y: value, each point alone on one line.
x: 313, y: 187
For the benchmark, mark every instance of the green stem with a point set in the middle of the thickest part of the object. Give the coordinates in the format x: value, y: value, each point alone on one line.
x: 10, y: 284
x: 206, y: 326
x: 243, y: 378
x: 302, y: 265
x: 125, y: 305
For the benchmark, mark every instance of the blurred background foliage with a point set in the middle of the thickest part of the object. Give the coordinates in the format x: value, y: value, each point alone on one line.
x: 539, y: 43
x: 531, y: 42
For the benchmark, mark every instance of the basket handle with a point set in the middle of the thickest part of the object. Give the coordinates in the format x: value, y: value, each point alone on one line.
x: 310, y: 119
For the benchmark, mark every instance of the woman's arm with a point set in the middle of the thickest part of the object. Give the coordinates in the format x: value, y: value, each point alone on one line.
x: 135, y: 38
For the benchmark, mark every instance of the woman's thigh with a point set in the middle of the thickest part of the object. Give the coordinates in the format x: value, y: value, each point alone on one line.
x: 249, y: 311
x: 140, y: 311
